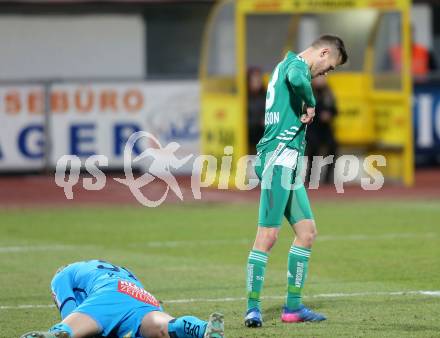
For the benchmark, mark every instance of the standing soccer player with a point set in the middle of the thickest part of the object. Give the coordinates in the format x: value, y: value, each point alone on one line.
x: 278, y: 152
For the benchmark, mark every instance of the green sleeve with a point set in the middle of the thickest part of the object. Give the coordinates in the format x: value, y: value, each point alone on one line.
x: 301, y: 85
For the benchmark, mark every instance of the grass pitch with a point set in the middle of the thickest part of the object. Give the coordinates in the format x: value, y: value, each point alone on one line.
x: 366, y: 264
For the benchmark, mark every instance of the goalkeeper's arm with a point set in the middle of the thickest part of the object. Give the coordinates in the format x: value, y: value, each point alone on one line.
x: 63, y: 295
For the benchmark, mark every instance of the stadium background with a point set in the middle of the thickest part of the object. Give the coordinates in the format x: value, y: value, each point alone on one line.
x: 77, y: 77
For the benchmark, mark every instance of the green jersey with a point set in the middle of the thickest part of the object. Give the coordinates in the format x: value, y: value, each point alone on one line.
x: 289, y: 88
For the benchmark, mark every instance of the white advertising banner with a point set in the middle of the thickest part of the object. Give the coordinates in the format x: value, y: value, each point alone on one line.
x: 98, y: 119
x: 22, y: 133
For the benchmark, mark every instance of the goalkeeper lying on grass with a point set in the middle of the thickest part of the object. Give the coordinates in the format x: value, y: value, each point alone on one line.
x: 97, y: 298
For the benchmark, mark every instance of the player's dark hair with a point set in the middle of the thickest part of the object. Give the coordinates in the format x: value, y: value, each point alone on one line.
x: 334, y: 41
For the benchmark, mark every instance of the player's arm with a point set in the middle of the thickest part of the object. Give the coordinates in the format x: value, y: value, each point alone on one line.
x: 301, y: 85
x: 62, y: 293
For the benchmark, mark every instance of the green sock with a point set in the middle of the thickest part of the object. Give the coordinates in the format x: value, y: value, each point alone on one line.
x: 298, y: 264
x: 255, y: 277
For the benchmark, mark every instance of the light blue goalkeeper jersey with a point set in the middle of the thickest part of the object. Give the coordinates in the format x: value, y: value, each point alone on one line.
x: 82, y: 279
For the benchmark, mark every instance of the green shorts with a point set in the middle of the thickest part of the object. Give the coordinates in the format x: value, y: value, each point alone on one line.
x: 282, y: 189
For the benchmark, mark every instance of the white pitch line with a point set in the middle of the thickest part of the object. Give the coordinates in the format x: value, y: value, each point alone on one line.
x: 322, y: 295
x: 29, y: 248
x: 235, y: 299
x: 237, y: 241
x: 360, y: 237
x: 30, y: 306
x: 324, y: 238
x: 170, y: 244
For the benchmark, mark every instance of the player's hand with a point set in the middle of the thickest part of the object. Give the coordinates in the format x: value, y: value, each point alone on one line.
x: 307, y: 118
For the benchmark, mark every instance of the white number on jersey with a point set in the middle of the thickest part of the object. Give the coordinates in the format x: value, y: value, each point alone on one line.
x: 270, y: 98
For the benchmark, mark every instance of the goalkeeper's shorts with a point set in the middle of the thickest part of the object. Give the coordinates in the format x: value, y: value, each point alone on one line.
x: 282, y: 188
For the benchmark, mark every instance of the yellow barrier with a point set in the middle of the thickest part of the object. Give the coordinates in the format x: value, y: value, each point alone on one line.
x: 371, y: 116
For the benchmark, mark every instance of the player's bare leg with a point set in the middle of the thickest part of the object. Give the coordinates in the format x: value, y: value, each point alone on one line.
x: 306, y: 233
x: 155, y: 325
x: 82, y: 325
x: 265, y: 239
x: 75, y: 325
